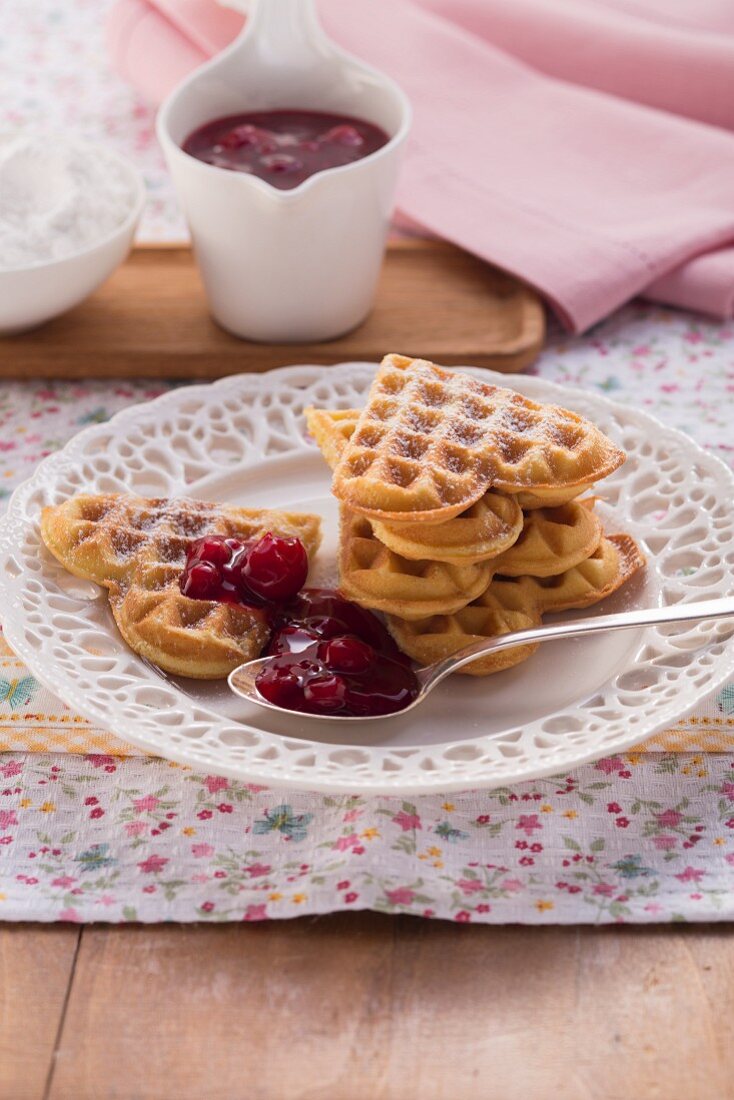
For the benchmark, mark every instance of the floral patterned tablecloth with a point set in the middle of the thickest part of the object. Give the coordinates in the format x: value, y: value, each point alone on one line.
x: 637, y: 838
x: 90, y: 831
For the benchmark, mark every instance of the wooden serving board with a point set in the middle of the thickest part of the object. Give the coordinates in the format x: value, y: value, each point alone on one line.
x: 150, y: 320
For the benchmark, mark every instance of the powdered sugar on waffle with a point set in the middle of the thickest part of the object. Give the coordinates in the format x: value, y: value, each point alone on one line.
x: 431, y: 442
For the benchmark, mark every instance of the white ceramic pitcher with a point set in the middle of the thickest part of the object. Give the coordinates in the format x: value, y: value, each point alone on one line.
x: 294, y: 265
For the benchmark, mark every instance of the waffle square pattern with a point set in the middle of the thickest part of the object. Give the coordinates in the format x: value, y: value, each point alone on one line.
x: 431, y: 442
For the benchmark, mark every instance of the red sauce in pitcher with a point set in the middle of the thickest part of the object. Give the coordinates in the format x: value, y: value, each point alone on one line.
x: 284, y: 147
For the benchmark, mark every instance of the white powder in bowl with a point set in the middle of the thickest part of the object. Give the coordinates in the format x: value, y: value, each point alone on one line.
x: 58, y: 196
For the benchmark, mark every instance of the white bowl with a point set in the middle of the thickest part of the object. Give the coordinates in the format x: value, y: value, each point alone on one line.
x: 34, y: 293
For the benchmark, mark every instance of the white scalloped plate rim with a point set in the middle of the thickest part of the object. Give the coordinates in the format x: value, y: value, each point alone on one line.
x: 274, y: 759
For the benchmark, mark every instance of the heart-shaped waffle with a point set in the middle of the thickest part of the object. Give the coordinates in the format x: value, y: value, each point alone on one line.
x: 331, y: 429
x: 430, y: 442
x: 479, y: 534
x: 517, y: 604
x: 377, y: 578
x: 482, y: 531
x: 552, y: 541
x: 136, y: 548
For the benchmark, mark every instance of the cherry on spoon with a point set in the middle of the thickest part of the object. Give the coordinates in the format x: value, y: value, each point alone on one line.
x: 242, y: 680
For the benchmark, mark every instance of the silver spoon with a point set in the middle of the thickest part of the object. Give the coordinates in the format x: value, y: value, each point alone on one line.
x: 242, y: 679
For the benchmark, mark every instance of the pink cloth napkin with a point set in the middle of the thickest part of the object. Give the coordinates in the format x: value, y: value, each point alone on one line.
x: 587, y: 196
x: 676, y: 55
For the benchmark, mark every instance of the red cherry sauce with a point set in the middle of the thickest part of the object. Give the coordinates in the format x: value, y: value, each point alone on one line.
x: 331, y: 656
x: 253, y: 574
x: 284, y: 147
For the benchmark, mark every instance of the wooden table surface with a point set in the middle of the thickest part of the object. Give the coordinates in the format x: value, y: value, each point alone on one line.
x: 366, y: 1007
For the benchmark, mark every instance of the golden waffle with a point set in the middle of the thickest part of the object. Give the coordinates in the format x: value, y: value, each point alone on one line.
x: 332, y: 429
x: 482, y: 531
x: 202, y: 639
x: 518, y: 604
x: 429, y: 443
x: 552, y: 541
x: 378, y: 578
x: 136, y: 548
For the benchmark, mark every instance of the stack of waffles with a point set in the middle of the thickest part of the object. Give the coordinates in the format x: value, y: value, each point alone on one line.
x: 462, y: 513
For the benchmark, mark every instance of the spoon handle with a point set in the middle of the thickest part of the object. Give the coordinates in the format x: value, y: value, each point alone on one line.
x: 652, y: 616
x: 285, y: 32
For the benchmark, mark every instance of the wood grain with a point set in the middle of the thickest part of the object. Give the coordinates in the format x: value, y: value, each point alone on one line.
x: 36, y: 963
x: 150, y: 320
x: 364, y: 1007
